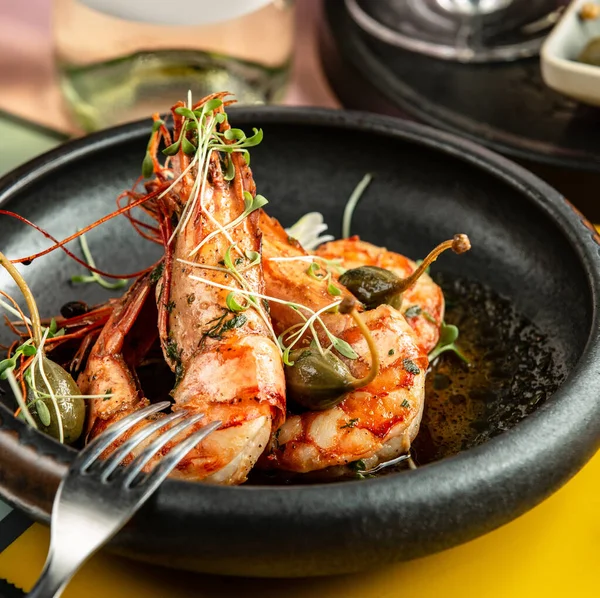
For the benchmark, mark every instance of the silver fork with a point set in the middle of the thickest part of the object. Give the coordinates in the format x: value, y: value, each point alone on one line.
x: 97, y: 498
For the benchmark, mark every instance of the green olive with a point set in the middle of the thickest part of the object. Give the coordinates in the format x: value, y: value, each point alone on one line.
x: 317, y: 381
x: 42, y: 408
x: 591, y: 53
x: 373, y: 286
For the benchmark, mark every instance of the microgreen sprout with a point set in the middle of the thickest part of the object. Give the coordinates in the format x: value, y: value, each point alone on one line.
x: 148, y: 163
x: 94, y: 276
x: 318, y: 272
x: 448, y: 336
x: 352, y: 203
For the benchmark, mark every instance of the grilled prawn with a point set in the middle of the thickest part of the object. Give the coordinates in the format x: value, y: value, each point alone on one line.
x: 226, y: 361
x: 375, y: 423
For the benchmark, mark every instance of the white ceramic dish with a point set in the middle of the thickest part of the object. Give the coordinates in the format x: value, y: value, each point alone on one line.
x: 560, y: 69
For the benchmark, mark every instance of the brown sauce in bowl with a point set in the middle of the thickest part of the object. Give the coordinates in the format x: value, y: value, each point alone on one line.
x: 514, y: 368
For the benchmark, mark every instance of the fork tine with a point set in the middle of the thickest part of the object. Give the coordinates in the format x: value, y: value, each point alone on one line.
x: 95, y: 448
x: 114, y: 460
x: 136, y: 466
x: 175, y: 455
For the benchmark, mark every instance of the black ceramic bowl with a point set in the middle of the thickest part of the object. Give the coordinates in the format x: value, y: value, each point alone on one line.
x: 528, y: 244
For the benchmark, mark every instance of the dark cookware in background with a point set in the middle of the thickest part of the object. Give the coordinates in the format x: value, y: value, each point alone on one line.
x: 503, y: 105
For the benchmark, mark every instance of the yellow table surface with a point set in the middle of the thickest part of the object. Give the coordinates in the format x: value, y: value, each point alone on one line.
x: 553, y: 550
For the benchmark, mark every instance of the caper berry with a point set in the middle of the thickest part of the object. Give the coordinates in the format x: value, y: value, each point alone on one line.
x: 317, y: 381
x: 373, y: 286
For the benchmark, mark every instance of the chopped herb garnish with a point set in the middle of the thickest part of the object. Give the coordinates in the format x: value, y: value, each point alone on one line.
x: 391, y: 351
x: 405, y: 404
x: 350, y: 424
x: 411, y: 367
x: 157, y: 272
x: 179, y: 371
x: 413, y: 311
x: 173, y: 352
x: 170, y: 306
x: 191, y: 298
x: 358, y: 465
x: 222, y: 325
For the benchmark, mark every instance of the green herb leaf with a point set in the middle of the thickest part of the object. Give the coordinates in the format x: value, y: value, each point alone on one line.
x: 258, y: 202
x: 187, y: 146
x: 147, y: 166
x: 43, y: 413
x: 413, y: 311
x: 235, y: 322
x: 7, y: 364
x: 230, y: 172
x: 157, y: 272
x: 359, y: 465
x: 286, y: 357
x: 255, y: 139
x: 253, y: 257
x: 233, y: 305
x: 27, y: 350
x: 411, y: 367
x: 212, y: 104
x: 248, y: 199
x: 314, y: 271
x: 447, y: 342
x: 448, y: 334
x: 341, y: 346
x: 221, y: 117
x: 183, y: 111
x: 236, y: 134
x: 157, y: 124
x: 333, y: 290
x: 172, y: 149
x: 253, y: 203
x: 227, y: 261
x: 405, y: 404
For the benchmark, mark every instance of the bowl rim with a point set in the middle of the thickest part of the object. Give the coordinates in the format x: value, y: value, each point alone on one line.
x: 569, y: 418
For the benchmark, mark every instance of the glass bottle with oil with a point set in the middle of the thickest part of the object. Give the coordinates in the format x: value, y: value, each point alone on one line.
x: 120, y: 61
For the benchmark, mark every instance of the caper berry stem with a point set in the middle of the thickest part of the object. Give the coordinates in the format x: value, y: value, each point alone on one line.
x: 36, y: 324
x: 459, y: 244
x: 348, y: 306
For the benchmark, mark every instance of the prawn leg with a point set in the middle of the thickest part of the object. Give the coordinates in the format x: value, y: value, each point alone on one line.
x: 108, y: 370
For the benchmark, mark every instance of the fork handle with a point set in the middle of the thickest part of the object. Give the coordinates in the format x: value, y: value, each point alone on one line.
x: 55, y: 576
